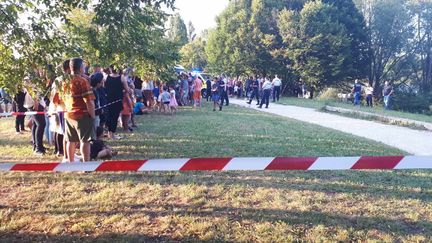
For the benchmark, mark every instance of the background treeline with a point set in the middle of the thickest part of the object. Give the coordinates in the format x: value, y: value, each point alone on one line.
x: 326, y: 43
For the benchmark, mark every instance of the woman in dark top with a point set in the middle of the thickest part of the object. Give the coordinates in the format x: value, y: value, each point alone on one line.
x: 19, y: 107
x: 115, y: 85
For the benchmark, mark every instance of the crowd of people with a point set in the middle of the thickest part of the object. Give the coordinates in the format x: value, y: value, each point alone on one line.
x: 80, y: 109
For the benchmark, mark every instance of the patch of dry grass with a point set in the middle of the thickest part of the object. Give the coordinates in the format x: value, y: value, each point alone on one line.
x: 216, y: 206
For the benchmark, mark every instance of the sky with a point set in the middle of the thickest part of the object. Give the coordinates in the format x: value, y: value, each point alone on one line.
x: 202, y: 13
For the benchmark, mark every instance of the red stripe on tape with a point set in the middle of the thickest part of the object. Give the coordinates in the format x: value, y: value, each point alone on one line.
x: 35, y: 167
x: 372, y: 162
x: 132, y: 165
x: 205, y: 164
x: 287, y: 163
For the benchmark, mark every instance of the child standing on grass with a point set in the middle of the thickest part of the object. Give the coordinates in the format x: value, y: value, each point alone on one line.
x: 98, y: 148
x: 126, y: 112
x: 173, y: 101
x: 165, y: 99
x: 156, y: 94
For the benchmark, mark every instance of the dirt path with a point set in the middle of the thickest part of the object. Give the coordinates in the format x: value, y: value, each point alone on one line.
x: 412, y: 141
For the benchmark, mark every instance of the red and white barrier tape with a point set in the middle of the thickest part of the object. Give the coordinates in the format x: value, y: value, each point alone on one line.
x: 236, y: 164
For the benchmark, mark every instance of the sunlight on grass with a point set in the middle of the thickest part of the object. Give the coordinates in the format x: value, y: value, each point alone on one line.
x: 263, y: 206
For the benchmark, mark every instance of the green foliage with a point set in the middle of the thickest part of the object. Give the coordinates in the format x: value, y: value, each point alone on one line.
x: 317, y: 43
x: 177, y: 31
x: 411, y: 102
x: 115, y: 31
x: 193, y: 54
x: 246, y: 39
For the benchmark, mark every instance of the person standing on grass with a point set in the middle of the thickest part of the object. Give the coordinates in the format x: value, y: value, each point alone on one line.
x: 96, y: 83
x: 197, y: 86
x: 165, y: 99
x: 216, y: 94
x: 208, y: 89
x: 184, y: 89
x: 266, y: 89
x: 115, y: 86
x: 387, y: 94
x: 80, y: 109
x: 254, y: 89
x: 173, y: 101
x: 277, y: 84
x: 18, y: 106
x: 224, y: 95
x: 34, y: 102
x: 369, y: 92
x: 357, y: 88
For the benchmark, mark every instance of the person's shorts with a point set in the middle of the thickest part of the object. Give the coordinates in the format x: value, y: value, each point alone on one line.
x: 81, y: 130
x: 166, y: 103
x: 197, y: 95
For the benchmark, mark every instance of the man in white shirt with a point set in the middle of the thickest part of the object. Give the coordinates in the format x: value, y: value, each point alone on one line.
x: 276, y: 83
x: 224, y: 95
x: 266, y: 88
x: 369, y: 92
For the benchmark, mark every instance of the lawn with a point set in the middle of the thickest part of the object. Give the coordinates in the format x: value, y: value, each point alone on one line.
x: 319, y: 104
x: 216, y: 206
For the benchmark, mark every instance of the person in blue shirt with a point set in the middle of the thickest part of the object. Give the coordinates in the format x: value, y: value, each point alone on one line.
x: 139, y: 106
x: 357, y: 92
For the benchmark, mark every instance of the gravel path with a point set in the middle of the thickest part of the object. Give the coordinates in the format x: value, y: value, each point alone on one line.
x: 412, y: 141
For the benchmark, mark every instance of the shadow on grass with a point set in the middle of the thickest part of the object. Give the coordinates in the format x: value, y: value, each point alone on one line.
x: 31, y: 237
x: 405, y: 185
x: 291, y: 217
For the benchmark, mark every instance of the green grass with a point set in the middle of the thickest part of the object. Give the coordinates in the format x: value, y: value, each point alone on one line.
x: 319, y: 104
x: 217, y: 206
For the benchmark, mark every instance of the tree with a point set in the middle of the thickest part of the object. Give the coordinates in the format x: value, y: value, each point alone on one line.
x: 115, y: 31
x: 191, y: 32
x: 177, y: 31
x: 193, y: 54
x: 318, y: 44
x: 391, y: 29
x: 246, y: 39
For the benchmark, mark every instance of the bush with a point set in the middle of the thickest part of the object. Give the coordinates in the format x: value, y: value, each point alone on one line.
x: 328, y: 94
x: 411, y: 102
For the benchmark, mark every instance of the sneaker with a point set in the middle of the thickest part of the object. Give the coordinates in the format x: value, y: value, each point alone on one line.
x: 248, y: 102
x: 18, y: 133
x: 39, y: 153
x: 116, y: 137
x: 266, y: 107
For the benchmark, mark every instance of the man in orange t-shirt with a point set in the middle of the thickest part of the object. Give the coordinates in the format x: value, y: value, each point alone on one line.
x: 80, y: 107
x: 197, y: 91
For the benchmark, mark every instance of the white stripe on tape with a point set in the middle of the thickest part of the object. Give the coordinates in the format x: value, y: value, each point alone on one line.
x: 248, y: 163
x: 415, y: 162
x: 334, y: 163
x: 163, y: 164
x: 6, y: 166
x: 77, y: 166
